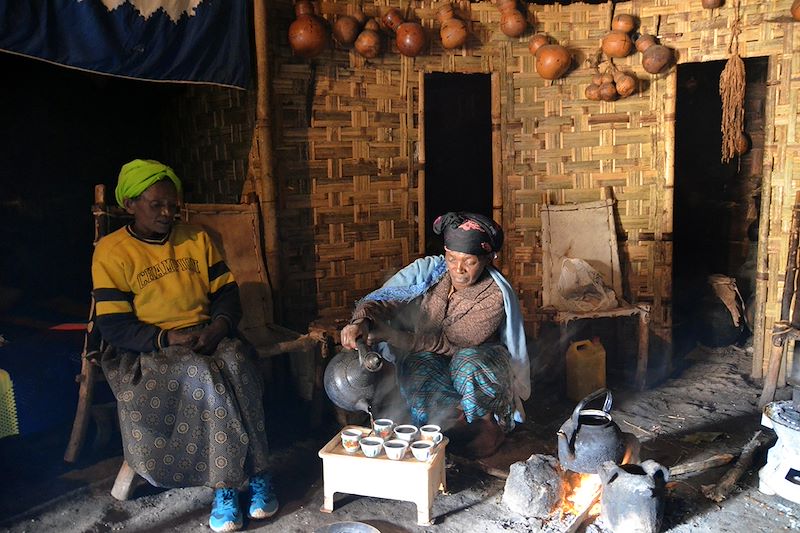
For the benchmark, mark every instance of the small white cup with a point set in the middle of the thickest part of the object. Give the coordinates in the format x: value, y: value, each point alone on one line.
x: 371, y: 446
x: 431, y: 432
x: 422, y: 450
x: 406, y: 432
x: 395, y: 449
x: 383, y: 427
x: 350, y: 440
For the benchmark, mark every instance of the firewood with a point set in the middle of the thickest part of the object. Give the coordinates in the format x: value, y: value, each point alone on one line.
x: 479, y: 465
x: 584, y: 515
x: 701, y: 466
x: 721, y: 490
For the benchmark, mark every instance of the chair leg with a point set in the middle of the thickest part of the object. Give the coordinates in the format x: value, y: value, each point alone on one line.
x: 644, y: 350
x: 82, y: 412
x: 123, y: 485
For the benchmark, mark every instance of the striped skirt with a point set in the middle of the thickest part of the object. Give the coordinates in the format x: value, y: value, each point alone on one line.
x: 477, y: 380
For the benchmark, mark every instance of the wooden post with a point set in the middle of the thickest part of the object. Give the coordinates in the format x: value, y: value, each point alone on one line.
x: 265, y: 175
x: 789, y: 292
x: 762, y: 257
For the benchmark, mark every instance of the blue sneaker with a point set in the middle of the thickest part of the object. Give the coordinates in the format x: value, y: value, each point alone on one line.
x: 263, y: 502
x: 225, y: 512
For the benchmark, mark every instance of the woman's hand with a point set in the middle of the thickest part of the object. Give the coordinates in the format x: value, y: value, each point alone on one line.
x: 210, y: 337
x: 352, y: 332
x: 177, y: 337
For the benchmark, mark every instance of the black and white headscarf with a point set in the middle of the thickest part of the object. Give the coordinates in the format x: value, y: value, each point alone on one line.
x: 469, y: 233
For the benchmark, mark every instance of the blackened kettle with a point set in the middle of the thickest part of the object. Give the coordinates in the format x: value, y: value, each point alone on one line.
x: 351, y: 376
x: 589, y: 437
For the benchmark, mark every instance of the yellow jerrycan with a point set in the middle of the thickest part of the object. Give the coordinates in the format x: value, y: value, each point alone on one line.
x: 586, y: 368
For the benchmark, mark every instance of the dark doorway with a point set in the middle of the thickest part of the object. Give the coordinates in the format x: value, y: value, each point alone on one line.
x: 458, y: 147
x: 716, y: 204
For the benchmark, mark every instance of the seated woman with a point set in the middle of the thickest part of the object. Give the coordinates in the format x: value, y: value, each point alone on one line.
x: 188, y: 392
x: 453, y: 326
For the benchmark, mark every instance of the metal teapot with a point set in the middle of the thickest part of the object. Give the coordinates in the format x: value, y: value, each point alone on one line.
x: 351, y: 376
x: 589, y: 437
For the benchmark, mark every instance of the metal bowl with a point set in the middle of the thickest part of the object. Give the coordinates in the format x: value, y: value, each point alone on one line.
x: 347, y: 527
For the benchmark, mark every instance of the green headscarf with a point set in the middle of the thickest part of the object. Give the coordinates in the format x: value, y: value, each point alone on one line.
x: 138, y: 175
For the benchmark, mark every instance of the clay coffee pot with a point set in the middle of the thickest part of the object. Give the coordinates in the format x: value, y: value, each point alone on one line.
x: 368, y: 43
x: 589, y: 437
x: 795, y: 10
x: 512, y: 22
x: 308, y: 35
x: 453, y: 30
x: 633, y: 496
x: 351, y: 377
x: 410, y: 37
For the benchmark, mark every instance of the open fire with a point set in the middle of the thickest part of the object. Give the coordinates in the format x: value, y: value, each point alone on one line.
x: 580, y: 492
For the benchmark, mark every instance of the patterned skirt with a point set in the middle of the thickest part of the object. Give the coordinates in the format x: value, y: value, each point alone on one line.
x: 190, y: 420
x: 478, y: 380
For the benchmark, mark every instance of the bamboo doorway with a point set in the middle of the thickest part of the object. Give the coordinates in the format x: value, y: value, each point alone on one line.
x: 458, y: 153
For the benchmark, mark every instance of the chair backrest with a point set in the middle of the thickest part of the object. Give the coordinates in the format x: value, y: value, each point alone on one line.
x: 579, y: 231
x: 236, y: 230
x: 107, y: 219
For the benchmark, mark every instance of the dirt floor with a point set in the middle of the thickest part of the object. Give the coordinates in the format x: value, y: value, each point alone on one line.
x: 709, y: 408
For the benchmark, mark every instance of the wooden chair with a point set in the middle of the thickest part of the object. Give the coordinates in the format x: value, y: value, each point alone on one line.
x: 587, y: 231
x: 236, y: 230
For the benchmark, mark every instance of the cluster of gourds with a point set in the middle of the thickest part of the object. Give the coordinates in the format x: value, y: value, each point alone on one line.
x: 610, y: 85
x: 308, y: 34
x: 618, y: 43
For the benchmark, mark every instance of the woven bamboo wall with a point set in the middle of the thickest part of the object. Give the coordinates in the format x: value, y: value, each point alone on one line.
x: 209, y: 131
x: 347, y: 158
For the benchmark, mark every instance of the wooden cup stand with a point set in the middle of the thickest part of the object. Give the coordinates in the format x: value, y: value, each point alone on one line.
x: 406, y: 479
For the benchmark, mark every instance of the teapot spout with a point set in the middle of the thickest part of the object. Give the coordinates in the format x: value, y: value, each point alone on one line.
x: 363, y: 405
x: 565, y: 452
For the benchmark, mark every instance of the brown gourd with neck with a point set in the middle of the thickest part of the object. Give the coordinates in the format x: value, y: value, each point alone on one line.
x: 453, y: 31
x: 512, y: 22
x: 410, y: 37
x: 308, y: 35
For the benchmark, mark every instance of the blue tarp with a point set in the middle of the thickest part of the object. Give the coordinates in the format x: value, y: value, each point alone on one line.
x: 210, y: 44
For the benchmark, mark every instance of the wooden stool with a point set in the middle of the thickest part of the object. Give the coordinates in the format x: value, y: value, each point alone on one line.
x: 406, y: 479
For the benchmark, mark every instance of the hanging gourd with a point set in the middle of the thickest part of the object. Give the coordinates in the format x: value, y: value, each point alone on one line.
x: 711, y: 4
x: 796, y: 10
x: 308, y: 35
x: 537, y: 41
x: 617, y: 43
x: 552, y: 61
x: 453, y: 31
x: 512, y: 22
x: 656, y: 58
x: 346, y: 30
x: 368, y: 42
x: 623, y: 22
x: 644, y: 42
x: 410, y: 37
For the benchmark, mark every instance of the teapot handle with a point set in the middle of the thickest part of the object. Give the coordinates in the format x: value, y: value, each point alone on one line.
x: 593, y: 396
x: 652, y: 468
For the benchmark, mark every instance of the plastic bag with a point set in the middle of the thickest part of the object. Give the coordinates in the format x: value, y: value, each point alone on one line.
x: 581, y: 288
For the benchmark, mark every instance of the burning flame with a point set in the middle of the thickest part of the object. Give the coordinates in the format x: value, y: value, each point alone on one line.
x: 581, y: 491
